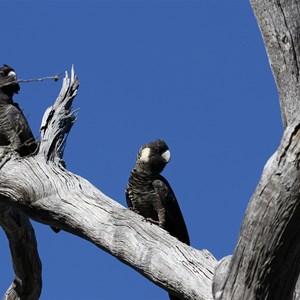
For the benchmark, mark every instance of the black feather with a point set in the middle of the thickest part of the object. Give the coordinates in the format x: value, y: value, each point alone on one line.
x: 14, y: 128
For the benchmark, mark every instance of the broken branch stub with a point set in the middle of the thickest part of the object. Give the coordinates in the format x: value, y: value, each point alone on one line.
x: 58, y: 120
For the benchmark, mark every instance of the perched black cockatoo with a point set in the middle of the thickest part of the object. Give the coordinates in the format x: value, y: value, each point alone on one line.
x: 14, y: 129
x: 150, y: 195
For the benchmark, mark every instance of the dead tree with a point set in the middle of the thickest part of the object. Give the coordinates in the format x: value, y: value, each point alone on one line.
x: 265, y: 263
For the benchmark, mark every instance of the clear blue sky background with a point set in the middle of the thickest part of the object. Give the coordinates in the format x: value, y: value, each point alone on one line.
x: 194, y: 73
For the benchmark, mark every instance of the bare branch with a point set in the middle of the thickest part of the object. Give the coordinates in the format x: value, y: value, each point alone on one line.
x: 43, y: 190
x: 55, y: 78
x: 265, y: 264
x: 51, y: 195
x: 221, y: 272
x: 58, y: 120
x: 27, y: 283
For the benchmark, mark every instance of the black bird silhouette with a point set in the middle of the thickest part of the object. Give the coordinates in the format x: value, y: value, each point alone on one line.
x: 14, y: 129
x: 150, y: 195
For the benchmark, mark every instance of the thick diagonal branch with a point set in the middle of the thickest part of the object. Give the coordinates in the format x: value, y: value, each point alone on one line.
x: 266, y: 261
x: 51, y: 195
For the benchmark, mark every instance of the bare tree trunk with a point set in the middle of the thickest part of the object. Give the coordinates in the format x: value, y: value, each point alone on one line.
x: 279, y: 22
x: 266, y: 261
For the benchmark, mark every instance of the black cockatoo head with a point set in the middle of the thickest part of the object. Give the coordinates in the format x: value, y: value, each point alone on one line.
x: 153, y: 157
x: 8, y: 83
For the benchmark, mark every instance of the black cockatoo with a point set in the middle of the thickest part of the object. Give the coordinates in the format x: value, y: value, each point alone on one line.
x: 150, y: 195
x: 14, y: 129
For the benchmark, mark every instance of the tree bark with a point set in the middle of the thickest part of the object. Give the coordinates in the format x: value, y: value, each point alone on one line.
x: 266, y: 260
x: 79, y: 208
x: 265, y: 263
x: 27, y: 283
x: 279, y: 22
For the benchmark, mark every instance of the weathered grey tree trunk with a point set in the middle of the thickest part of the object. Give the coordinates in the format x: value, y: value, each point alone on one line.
x: 266, y: 261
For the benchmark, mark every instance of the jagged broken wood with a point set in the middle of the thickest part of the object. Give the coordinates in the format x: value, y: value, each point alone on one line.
x: 41, y: 188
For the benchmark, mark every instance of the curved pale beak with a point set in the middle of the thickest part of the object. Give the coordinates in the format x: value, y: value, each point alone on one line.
x: 12, y: 74
x: 166, y: 156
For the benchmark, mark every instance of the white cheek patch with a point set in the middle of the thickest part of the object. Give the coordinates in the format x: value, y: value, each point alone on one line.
x: 145, y: 155
x: 166, y: 155
x: 12, y: 74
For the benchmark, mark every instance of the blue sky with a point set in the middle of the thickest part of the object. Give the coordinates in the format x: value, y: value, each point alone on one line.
x: 194, y: 73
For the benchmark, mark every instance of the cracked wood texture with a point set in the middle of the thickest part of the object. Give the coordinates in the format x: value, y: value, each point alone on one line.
x: 279, y: 22
x: 39, y: 187
x: 266, y: 260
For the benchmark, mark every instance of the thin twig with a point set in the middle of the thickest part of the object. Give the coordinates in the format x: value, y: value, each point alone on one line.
x: 55, y: 78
